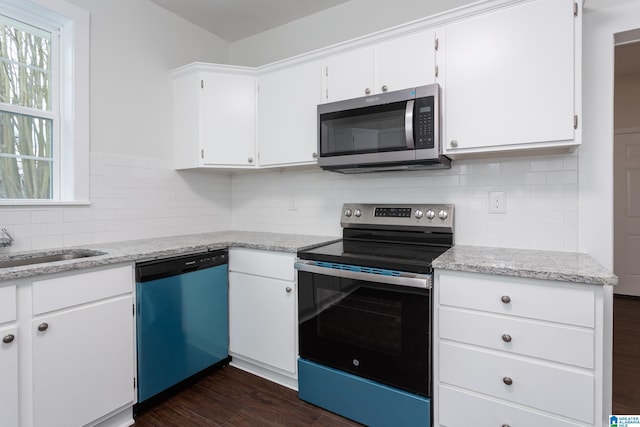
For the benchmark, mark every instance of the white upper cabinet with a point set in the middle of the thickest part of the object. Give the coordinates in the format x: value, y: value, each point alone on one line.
x: 509, y: 78
x: 214, y: 117
x: 287, y: 115
x: 398, y: 63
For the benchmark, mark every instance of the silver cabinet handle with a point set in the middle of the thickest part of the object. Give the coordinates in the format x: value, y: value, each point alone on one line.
x: 367, y: 91
x: 506, y: 338
x: 8, y: 339
x: 314, y: 155
x: 505, y: 299
x: 506, y: 425
x: 454, y: 143
x: 250, y: 160
x: 385, y: 88
x: 507, y: 380
x: 43, y: 327
x: 288, y: 289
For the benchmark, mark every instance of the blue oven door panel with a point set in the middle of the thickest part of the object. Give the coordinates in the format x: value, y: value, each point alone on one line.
x: 182, y: 327
x: 360, y: 399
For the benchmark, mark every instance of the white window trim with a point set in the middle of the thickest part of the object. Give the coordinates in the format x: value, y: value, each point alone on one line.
x: 74, y: 162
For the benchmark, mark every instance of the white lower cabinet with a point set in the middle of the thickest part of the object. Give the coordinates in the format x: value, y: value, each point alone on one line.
x: 520, y: 352
x: 76, y: 365
x: 8, y: 357
x: 263, y: 314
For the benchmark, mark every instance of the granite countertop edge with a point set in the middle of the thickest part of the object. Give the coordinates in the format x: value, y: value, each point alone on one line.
x: 162, y: 247
x: 572, y: 267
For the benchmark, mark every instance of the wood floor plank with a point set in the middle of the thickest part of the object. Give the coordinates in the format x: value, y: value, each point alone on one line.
x: 626, y: 355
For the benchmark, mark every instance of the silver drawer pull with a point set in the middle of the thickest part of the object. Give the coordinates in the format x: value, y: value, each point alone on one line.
x: 288, y: 289
x: 506, y: 425
x: 43, y: 327
x: 8, y: 339
x: 507, y: 380
x: 505, y: 299
x: 506, y: 338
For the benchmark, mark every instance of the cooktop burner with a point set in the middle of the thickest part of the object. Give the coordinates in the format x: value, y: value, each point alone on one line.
x: 397, y: 237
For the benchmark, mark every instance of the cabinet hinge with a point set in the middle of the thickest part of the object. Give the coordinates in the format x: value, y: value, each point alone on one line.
x: 575, y: 8
x: 201, y: 84
x: 202, y: 154
x: 326, y: 94
x: 436, y: 71
x: 326, y: 71
x: 134, y: 383
x: 133, y: 309
x: 437, y: 43
x: 575, y: 121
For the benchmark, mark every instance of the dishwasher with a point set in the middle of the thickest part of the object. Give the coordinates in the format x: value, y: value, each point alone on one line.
x: 182, y: 322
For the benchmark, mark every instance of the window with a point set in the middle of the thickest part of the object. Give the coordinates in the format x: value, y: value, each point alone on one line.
x: 44, y: 94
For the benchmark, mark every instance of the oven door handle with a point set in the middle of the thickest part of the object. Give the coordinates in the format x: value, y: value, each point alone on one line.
x: 413, y: 280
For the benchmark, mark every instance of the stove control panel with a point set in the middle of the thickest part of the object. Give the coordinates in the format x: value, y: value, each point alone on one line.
x: 392, y: 216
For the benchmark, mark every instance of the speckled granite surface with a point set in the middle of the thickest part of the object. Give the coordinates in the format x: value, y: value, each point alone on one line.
x: 547, y: 265
x: 149, y: 249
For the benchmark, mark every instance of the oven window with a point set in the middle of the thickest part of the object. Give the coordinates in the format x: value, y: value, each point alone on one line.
x: 377, y: 331
x: 364, y: 130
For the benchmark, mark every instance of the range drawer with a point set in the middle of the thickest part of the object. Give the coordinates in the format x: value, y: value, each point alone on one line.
x: 574, y: 305
x: 550, y: 341
x: 481, y: 411
x: 568, y: 392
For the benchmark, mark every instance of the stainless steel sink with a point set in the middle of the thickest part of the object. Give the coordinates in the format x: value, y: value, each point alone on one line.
x: 43, y: 257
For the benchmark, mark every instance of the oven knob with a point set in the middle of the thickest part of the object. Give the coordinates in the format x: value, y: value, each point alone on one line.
x: 443, y: 214
x: 431, y: 214
x: 348, y: 212
x: 357, y: 213
x: 419, y: 214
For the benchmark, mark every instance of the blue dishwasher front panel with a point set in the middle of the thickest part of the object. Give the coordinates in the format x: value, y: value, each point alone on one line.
x: 182, y: 327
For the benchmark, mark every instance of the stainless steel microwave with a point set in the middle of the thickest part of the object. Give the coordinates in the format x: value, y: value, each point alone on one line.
x: 397, y: 130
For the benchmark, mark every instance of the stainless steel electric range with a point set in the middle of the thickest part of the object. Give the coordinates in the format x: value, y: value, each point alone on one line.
x: 364, y: 306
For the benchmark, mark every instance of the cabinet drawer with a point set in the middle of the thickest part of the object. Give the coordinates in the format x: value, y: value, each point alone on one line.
x: 277, y: 265
x: 561, y: 391
x: 7, y: 303
x: 462, y: 409
x: 80, y: 288
x: 573, y: 305
x: 564, y: 344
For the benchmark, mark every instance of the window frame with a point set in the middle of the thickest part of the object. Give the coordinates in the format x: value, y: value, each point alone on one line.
x: 71, y: 93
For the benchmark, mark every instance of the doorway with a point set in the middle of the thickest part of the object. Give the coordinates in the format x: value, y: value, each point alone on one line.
x: 626, y: 246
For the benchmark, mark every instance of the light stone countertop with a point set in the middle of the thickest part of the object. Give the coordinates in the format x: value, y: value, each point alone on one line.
x: 162, y: 247
x: 536, y: 264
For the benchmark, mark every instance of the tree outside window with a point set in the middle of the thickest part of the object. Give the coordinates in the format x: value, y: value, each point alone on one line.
x: 27, y: 115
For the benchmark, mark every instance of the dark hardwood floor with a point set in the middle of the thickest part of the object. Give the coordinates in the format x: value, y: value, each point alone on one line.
x: 626, y: 355
x: 232, y: 397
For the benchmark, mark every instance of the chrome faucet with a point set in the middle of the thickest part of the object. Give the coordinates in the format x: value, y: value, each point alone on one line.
x: 6, y: 241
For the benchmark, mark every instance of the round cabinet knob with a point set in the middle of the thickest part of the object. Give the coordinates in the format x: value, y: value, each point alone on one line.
x: 8, y: 339
x: 453, y: 143
x: 357, y: 213
x: 314, y: 155
x: 250, y: 160
x: 507, y: 380
x: 419, y: 214
x: 431, y: 214
x: 367, y: 91
x: 43, y: 327
x: 506, y: 338
x: 385, y: 88
x: 506, y: 425
x: 505, y: 299
x: 288, y: 289
x: 443, y: 215
x: 348, y: 212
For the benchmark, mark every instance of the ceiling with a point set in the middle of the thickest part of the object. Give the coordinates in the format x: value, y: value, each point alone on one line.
x: 237, y: 19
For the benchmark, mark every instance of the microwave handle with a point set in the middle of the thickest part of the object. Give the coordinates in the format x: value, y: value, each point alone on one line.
x: 408, y: 125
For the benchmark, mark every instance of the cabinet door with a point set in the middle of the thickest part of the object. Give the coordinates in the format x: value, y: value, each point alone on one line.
x: 228, y: 119
x: 406, y: 62
x: 287, y: 114
x: 509, y: 77
x: 262, y: 320
x: 83, y: 363
x: 9, y: 376
x: 349, y: 75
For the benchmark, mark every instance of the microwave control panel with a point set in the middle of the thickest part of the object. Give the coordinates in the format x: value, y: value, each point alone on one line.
x: 424, y: 134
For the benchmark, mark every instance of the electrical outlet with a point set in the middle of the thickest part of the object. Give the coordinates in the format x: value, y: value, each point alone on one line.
x: 293, y: 204
x: 497, y: 202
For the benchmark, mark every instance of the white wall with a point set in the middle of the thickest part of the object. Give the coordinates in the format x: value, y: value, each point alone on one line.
x: 135, y: 192
x: 541, y: 199
x: 353, y: 19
